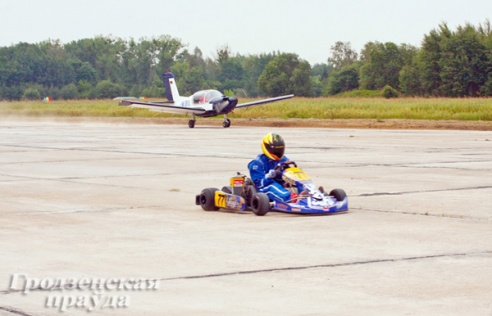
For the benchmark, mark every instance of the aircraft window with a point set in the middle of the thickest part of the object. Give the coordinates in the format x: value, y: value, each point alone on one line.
x: 213, y: 94
x: 205, y: 96
x: 199, y: 96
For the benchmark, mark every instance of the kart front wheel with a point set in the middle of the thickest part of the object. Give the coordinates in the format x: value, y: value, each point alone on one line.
x: 207, y: 199
x: 260, y: 204
x: 338, y: 194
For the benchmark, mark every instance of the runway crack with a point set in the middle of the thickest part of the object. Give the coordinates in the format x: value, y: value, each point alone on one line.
x: 329, y: 265
x: 422, y: 214
x: 424, y: 191
x: 14, y: 311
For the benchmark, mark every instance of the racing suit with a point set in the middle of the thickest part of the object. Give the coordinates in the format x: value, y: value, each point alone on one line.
x: 258, y: 170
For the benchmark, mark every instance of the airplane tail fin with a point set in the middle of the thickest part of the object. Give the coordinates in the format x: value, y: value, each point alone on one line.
x: 172, y: 93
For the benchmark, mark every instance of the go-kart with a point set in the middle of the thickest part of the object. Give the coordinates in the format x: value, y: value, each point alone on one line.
x: 306, y: 198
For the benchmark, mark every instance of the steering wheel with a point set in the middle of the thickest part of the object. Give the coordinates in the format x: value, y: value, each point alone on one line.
x: 281, y: 166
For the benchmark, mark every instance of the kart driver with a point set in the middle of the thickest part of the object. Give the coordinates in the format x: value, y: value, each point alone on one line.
x: 262, y: 168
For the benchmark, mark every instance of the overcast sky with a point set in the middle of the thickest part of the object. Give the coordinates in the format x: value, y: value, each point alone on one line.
x: 305, y: 27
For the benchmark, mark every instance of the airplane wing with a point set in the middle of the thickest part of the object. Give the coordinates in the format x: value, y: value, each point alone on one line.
x: 243, y: 105
x: 161, y: 107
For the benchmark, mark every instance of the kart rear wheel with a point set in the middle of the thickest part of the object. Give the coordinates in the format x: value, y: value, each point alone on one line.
x: 260, y: 204
x: 338, y: 194
x: 207, y: 199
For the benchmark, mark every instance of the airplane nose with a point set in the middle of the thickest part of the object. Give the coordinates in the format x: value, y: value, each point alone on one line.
x: 225, y: 106
x: 229, y: 105
x: 232, y: 101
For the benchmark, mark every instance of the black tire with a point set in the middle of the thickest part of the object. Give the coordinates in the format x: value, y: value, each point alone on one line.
x: 207, y: 199
x: 226, y: 123
x: 249, y: 193
x: 191, y: 123
x: 227, y: 189
x: 338, y: 194
x: 248, y: 181
x: 260, y: 204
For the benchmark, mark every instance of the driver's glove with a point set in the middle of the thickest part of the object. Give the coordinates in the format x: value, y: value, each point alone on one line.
x: 271, y: 174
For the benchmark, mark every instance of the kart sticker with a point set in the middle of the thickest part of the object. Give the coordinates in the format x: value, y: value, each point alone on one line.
x: 229, y: 201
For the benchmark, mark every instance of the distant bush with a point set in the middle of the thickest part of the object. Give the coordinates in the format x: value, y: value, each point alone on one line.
x: 84, y: 89
x: 69, y: 92
x: 152, y: 92
x: 390, y: 92
x: 31, y: 94
x: 10, y: 93
x: 486, y: 90
x: 107, y: 90
x: 360, y: 94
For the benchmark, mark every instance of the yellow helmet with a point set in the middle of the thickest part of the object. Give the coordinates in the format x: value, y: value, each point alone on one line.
x: 273, y: 146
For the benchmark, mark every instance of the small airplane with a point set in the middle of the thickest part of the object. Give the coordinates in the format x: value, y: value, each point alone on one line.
x: 204, y: 103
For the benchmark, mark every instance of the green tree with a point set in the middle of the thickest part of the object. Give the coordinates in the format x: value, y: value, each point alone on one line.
x: 102, y: 53
x: 389, y: 92
x: 56, y: 70
x: 24, y: 64
x: 346, y: 79
x: 301, y: 79
x: 486, y: 89
x: 189, y: 79
x: 106, y: 89
x: 316, y: 86
x: 410, y: 80
x: 168, y: 49
x: 429, y: 57
x: 69, y: 92
x: 382, y: 64
x: 342, y: 55
x: 253, y: 66
x: 286, y: 74
x: 147, y: 58
x: 86, y: 73
x: 31, y: 94
x: 11, y: 93
x: 323, y: 71
x: 84, y: 89
x: 231, y: 71
x: 465, y: 63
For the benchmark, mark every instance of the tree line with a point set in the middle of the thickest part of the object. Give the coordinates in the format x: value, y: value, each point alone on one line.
x: 449, y: 63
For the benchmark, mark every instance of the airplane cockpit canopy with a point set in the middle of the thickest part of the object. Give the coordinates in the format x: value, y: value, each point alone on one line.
x: 205, y: 96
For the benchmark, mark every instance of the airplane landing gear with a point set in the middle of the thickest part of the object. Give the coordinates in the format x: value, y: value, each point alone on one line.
x: 226, y: 123
x: 191, y: 123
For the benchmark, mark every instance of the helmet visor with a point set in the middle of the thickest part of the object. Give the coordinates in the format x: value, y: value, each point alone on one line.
x: 277, y: 152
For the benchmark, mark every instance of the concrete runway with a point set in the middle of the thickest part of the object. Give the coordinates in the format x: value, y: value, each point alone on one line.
x: 90, y: 202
